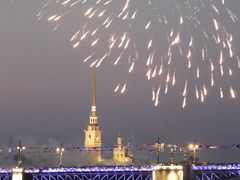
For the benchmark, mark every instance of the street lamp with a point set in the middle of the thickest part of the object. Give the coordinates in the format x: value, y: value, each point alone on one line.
x: 20, y: 148
x: 194, y: 147
x: 173, y: 150
x: 60, y: 151
x: 160, y: 148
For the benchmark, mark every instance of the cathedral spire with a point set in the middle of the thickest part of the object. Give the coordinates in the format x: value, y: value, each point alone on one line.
x: 93, y: 131
x: 94, y: 93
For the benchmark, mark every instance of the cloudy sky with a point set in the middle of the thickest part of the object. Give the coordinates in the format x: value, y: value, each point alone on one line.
x: 45, y: 92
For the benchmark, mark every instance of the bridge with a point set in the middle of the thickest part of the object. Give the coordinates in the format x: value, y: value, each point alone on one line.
x: 158, y: 172
x: 89, y: 173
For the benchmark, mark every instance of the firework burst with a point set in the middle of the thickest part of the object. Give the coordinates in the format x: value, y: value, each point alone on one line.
x: 191, y: 42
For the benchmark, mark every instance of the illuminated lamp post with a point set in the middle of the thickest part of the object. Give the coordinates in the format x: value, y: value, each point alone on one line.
x: 172, y: 155
x: 194, y: 147
x: 20, y: 148
x: 160, y: 148
x: 60, y: 151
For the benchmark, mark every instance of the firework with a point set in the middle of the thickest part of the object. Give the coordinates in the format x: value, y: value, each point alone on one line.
x: 192, y: 42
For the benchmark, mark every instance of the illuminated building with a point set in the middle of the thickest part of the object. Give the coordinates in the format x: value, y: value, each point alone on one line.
x: 93, y: 133
x: 121, y: 154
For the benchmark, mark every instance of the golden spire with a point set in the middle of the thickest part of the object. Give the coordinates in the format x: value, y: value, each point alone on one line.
x: 94, y: 92
x: 93, y: 131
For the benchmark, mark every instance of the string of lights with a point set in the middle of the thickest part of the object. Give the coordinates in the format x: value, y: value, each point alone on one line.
x: 138, y: 147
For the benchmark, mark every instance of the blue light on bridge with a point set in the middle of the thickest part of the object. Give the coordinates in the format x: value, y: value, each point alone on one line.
x: 217, y: 167
x: 91, y: 169
x: 5, y: 171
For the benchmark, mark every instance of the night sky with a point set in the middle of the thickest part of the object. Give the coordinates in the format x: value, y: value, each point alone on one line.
x: 45, y: 93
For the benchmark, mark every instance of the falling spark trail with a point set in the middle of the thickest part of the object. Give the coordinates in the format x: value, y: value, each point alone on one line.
x: 185, y: 89
x: 197, y: 93
x: 157, y: 96
x: 153, y: 95
x: 100, y: 61
x: 131, y: 68
x: 232, y: 93
x: 176, y: 40
x: 116, y: 89
x: 221, y: 93
x: 123, y: 88
x: 184, y: 102
x: 85, y: 60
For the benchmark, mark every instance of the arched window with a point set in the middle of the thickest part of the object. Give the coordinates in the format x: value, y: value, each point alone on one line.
x: 89, y: 136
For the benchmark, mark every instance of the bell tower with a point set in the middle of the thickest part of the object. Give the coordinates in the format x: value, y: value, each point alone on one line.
x: 92, y: 132
x: 121, y: 154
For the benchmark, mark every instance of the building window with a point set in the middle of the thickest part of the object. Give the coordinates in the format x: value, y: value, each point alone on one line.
x: 89, y: 136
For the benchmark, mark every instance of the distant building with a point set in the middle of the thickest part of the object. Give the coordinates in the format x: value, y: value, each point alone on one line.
x: 121, y: 154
